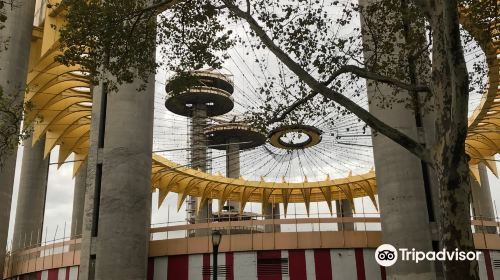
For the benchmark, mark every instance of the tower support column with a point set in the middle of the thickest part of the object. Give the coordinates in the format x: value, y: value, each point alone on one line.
x: 13, y: 72
x: 344, y: 210
x: 117, y: 212
x: 482, y: 203
x: 233, y: 167
x: 31, y: 197
x: 403, y: 180
x: 79, y: 201
x: 271, y: 211
x: 199, y: 160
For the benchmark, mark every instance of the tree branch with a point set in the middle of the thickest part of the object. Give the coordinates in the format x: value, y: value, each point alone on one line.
x: 292, y: 107
x: 363, y: 73
x: 161, y: 6
x: 405, y: 141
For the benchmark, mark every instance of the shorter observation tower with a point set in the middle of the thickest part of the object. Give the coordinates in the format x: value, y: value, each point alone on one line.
x: 233, y: 137
x: 199, y: 94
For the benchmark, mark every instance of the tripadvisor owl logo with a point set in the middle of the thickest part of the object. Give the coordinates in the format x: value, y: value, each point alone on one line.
x: 386, y: 255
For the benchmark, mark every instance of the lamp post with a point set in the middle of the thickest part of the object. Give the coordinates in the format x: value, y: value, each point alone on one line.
x: 216, y: 238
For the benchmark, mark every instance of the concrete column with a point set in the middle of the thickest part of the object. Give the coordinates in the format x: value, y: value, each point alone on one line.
x: 482, y: 202
x: 79, y: 201
x: 344, y: 209
x: 31, y: 198
x: 404, y: 183
x: 117, y: 212
x: 233, y: 166
x: 271, y: 211
x: 13, y: 71
x: 92, y: 189
x: 125, y: 200
x: 199, y: 151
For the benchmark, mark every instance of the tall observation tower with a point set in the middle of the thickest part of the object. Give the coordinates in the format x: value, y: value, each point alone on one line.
x: 198, y: 95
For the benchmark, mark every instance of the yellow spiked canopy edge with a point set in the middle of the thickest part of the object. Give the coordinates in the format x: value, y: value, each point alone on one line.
x: 171, y: 177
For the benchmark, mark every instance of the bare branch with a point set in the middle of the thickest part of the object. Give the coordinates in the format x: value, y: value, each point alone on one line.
x: 405, y: 141
x: 363, y: 73
x: 292, y: 107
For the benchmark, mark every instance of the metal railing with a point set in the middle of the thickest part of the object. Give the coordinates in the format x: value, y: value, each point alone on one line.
x: 258, y: 233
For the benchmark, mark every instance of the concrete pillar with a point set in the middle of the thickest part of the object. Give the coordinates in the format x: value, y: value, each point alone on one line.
x: 31, y: 198
x: 344, y: 209
x: 79, y: 201
x: 482, y: 202
x: 233, y: 166
x: 13, y: 71
x: 199, y: 152
x: 407, y: 202
x: 117, y: 211
x: 92, y: 189
x: 271, y: 211
x: 199, y: 147
x: 125, y: 205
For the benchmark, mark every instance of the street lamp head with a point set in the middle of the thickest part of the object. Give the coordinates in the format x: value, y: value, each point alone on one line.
x: 216, y: 238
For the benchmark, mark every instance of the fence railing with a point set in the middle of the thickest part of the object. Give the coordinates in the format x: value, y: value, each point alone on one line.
x: 177, y: 237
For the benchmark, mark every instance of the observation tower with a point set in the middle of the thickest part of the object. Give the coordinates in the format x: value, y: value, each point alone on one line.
x: 198, y: 95
x: 233, y: 137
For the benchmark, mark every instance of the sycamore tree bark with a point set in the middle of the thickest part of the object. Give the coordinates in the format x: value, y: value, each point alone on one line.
x: 450, y: 87
x: 451, y: 84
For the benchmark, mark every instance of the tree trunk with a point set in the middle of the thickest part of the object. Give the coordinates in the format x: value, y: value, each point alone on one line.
x: 451, y: 87
x: 455, y: 227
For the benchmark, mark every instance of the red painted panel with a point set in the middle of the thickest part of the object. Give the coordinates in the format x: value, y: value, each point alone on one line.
x: 39, y: 275
x: 360, y: 264
x: 206, y: 267
x: 151, y: 268
x: 229, y: 266
x: 178, y: 267
x: 269, y: 265
x: 322, y: 264
x: 297, y: 264
x: 53, y: 274
x: 487, y: 261
x: 68, y: 269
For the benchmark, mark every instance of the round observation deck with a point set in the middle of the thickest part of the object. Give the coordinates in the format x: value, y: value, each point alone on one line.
x: 207, y: 88
x: 219, y: 135
x: 295, y: 137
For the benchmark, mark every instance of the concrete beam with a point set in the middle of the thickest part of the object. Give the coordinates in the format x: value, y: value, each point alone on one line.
x: 28, y: 227
x: 13, y: 73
